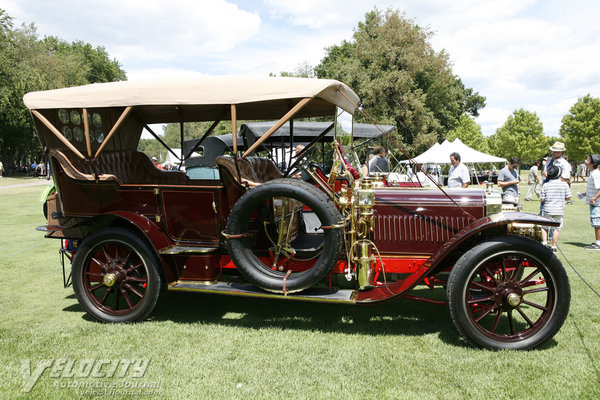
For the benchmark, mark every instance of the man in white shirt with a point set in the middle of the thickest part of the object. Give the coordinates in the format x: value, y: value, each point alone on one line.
x: 558, y: 149
x: 458, y: 177
x: 592, y: 194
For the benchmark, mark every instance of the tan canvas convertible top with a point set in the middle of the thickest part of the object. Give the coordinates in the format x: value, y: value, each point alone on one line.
x: 196, y: 91
x: 177, y: 100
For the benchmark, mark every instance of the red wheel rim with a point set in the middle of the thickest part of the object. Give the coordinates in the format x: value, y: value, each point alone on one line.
x: 115, y: 278
x: 510, y: 296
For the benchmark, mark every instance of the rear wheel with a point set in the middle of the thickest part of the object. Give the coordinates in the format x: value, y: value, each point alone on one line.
x: 115, y: 276
x: 508, y: 293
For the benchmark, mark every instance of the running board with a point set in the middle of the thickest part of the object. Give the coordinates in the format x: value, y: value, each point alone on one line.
x: 187, y: 249
x: 245, y: 289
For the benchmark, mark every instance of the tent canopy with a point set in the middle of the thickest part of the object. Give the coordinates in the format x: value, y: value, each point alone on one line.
x: 440, y: 154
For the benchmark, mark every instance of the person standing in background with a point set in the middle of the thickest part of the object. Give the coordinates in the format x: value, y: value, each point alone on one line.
x: 553, y: 196
x: 508, y: 180
x: 156, y: 164
x: 592, y: 193
x: 379, y: 163
x: 558, y: 149
x: 458, y: 177
x: 579, y: 173
x: 534, y: 181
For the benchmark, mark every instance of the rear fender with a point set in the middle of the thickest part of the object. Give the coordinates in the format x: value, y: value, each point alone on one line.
x: 155, y: 237
x: 497, y: 224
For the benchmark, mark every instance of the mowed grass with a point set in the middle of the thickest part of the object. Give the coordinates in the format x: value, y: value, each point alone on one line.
x: 218, y: 347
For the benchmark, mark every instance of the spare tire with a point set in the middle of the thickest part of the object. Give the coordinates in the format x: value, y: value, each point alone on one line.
x: 265, y: 276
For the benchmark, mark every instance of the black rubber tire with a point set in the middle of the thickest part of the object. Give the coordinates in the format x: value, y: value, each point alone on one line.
x: 555, y: 278
x: 247, y: 262
x: 126, y: 239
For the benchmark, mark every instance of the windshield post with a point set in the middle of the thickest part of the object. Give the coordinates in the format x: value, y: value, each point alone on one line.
x: 234, y: 129
x: 181, y: 133
x: 344, y: 135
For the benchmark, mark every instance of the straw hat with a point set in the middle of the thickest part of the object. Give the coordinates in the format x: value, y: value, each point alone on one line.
x: 558, y: 146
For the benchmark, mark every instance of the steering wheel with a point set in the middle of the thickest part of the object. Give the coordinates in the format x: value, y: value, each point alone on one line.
x: 305, y: 154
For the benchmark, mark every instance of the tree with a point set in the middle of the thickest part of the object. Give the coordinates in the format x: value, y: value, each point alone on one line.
x: 469, y: 132
x: 95, y: 63
x: 521, y: 135
x: 580, y: 128
x: 171, y: 135
x: 303, y: 70
x: 29, y: 64
x: 400, y: 79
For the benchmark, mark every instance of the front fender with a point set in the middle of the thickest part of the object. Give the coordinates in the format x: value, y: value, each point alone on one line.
x: 434, y: 262
x: 483, y: 224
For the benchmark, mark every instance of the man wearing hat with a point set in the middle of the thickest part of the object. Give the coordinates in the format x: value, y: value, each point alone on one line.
x: 156, y: 164
x: 558, y: 149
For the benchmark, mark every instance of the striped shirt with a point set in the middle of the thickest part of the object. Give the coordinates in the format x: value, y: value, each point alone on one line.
x: 554, y: 193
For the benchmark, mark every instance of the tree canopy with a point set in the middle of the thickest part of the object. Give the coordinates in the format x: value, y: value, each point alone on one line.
x: 171, y: 135
x: 469, y: 132
x: 27, y: 64
x: 580, y: 128
x: 400, y: 79
x: 522, y: 135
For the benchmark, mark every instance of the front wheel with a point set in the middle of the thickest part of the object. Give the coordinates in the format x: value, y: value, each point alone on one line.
x: 115, y: 276
x: 508, y: 293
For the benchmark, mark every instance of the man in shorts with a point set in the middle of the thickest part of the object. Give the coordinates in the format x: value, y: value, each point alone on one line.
x: 591, y: 197
x: 553, y: 196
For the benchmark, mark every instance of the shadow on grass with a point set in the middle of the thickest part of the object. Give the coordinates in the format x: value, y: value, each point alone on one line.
x: 578, y: 244
x: 399, y: 317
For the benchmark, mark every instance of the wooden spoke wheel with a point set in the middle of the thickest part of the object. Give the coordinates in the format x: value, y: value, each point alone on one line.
x: 508, y: 293
x: 115, y: 276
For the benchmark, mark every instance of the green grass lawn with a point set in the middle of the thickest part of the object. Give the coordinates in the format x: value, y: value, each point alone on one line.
x: 19, y: 179
x: 217, y: 347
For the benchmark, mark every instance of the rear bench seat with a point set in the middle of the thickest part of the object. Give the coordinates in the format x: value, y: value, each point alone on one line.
x: 124, y: 166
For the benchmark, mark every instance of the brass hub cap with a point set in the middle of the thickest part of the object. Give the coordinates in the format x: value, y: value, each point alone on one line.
x: 513, y: 299
x: 508, y: 294
x: 109, y: 279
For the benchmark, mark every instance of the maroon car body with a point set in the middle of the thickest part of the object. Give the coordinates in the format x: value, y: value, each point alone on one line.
x: 140, y: 231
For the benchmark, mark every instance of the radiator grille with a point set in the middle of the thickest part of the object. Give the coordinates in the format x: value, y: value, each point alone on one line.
x: 417, y: 228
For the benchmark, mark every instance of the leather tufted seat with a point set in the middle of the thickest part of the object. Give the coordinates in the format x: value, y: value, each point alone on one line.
x: 253, y: 170
x: 125, y: 166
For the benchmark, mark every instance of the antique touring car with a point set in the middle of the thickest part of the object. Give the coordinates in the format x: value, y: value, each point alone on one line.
x: 304, y: 234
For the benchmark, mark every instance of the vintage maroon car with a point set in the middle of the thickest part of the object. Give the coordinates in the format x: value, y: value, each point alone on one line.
x: 304, y: 234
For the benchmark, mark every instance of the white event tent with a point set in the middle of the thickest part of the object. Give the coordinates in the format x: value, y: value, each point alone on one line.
x: 440, y: 154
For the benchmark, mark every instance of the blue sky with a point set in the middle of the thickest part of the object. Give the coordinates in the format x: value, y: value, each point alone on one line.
x: 532, y: 54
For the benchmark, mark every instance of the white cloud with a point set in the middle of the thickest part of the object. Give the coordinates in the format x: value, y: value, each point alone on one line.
x: 146, y: 29
x: 536, y: 54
